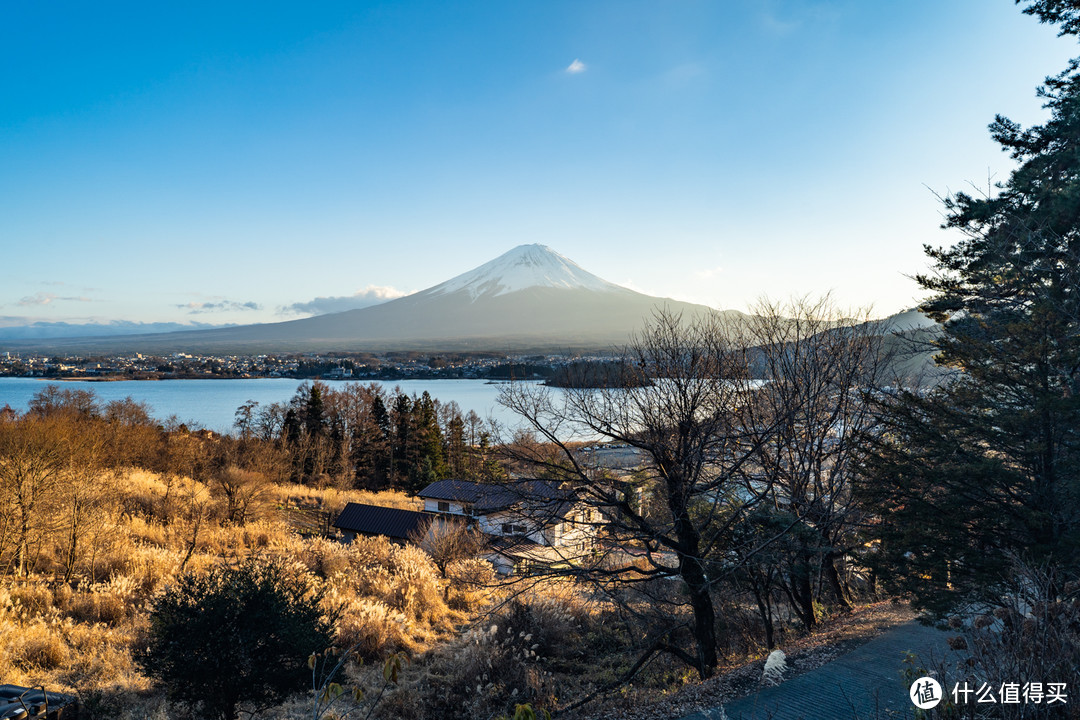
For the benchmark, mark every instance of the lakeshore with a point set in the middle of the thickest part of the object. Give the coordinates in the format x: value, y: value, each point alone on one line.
x: 211, y: 403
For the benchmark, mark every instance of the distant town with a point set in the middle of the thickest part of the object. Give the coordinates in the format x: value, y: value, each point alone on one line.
x: 329, y: 366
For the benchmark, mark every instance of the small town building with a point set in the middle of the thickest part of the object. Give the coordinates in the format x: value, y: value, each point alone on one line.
x: 536, y: 510
x: 530, y: 524
x: 374, y: 520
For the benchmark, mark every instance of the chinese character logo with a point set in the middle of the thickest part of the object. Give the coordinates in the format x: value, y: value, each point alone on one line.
x: 925, y: 693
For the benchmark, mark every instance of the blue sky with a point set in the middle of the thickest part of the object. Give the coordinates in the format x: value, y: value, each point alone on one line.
x: 233, y: 162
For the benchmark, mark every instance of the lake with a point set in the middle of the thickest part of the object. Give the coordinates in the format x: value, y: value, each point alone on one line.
x: 212, y: 403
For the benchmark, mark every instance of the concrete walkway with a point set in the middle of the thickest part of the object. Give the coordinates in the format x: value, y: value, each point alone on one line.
x: 864, y: 684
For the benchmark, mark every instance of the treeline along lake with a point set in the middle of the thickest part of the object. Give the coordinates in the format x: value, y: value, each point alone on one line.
x: 212, y: 404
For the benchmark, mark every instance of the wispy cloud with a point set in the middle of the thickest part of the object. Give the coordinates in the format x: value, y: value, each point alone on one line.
x: 43, y: 298
x: 777, y: 26
x: 371, y: 295
x: 61, y: 283
x: 631, y: 285
x: 685, y: 74
x: 576, y: 67
x: 29, y: 328
x: 784, y: 19
x: 196, y: 308
x: 709, y: 273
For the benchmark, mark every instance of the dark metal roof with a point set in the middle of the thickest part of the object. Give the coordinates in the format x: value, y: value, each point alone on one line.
x: 489, y: 497
x: 457, y: 490
x: 376, y: 520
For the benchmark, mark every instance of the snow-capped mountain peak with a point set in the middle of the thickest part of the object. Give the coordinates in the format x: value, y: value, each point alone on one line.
x: 526, y: 266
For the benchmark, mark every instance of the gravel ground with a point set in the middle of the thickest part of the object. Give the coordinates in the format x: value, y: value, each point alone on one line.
x: 833, y: 638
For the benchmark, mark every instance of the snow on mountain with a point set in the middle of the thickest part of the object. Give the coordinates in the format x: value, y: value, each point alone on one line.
x: 526, y: 266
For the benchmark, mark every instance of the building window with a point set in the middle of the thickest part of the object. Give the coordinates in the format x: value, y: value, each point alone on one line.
x: 444, y: 506
x: 511, y: 529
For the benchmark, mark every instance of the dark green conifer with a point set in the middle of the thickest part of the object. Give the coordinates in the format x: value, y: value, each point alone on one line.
x: 985, y: 470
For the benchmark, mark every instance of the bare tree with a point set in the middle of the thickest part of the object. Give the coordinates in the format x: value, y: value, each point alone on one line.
x: 817, y: 365
x: 676, y: 520
x: 33, y: 461
x: 80, y: 497
x: 746, y: 436
x: 448, y: 541
x: 244, y: 492
x: 196, y: 509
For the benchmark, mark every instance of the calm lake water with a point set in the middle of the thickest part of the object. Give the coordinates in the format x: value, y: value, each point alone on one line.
x: 212, y: 403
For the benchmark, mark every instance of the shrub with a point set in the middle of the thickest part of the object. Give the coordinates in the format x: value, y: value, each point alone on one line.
x: 236, y: 635
x: 547, y: 620
x: 471, y: 580
x: 369, y: 626
x: 39, y: 647
x: 482, y: 674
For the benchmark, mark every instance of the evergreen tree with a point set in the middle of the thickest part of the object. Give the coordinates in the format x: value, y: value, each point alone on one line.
x: 236, y: 635
x: 455, y: 447
x: 384, y: 460
x: 338, y: 461
x: 314, y: 419
x: 985, y: 468
x: 292, y: 432
x: 404, y: 441
x: 430, y: 437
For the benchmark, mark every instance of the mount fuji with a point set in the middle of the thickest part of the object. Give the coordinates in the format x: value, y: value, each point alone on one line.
x: 528, y: 298
x: 524, y: 267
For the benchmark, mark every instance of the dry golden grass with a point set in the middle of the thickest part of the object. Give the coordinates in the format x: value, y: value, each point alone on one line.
x: 550, y: 643
x: 333, y: 500
x: 79, y: 636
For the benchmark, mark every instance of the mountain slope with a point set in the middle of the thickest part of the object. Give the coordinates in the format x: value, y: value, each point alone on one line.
x: 529, y: 297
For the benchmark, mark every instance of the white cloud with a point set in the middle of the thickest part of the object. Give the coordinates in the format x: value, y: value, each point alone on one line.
x: 371, y: 295
x: 777, y: 26
x: 575, y: 67
x: 631, y: 285
x: 195, y: 308
x: 48, y: 299
x: 684, y: 75
x: 709, y: 273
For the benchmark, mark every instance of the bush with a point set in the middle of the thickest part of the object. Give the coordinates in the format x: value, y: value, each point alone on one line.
x: 236, y: 635
x: 39, y: 647
x: 481, y: 675
x: 547, y: 620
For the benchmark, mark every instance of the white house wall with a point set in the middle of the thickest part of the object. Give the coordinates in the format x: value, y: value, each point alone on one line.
x: 456, y: 508
x: 575, y: 532
x: 492, y: 525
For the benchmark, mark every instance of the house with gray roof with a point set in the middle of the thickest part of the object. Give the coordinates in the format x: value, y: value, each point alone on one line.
x: 535, y: 510
x: 374, y: 520
x: 531, y: 524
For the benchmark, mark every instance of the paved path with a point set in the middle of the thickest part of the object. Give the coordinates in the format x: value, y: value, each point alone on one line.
x: 863, y: 684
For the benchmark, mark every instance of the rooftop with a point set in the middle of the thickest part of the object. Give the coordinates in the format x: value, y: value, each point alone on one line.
x: 376, y: 520
x: 490, y: 497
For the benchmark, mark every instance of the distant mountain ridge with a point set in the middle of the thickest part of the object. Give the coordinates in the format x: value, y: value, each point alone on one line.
x: 42, y: 330
x: 528, y: 298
